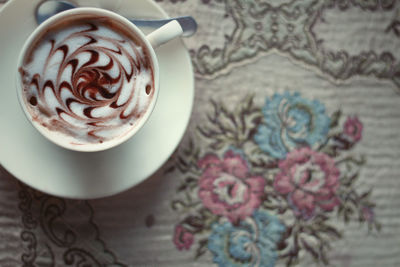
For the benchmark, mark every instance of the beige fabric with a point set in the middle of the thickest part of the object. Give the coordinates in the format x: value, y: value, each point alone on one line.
x: 343, y: 54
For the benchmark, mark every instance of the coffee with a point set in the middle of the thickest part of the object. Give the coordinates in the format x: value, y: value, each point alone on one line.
x: 88, y: 79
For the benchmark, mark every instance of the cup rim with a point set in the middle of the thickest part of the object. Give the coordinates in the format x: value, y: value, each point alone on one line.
x: 88, y: 147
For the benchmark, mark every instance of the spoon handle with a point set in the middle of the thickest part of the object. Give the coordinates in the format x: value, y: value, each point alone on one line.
x: 188, y: 24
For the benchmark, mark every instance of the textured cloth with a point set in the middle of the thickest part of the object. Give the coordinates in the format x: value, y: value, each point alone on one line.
x: 291, y: 157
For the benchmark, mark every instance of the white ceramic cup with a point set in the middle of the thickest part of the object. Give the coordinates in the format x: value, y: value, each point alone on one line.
x: 151, y: 41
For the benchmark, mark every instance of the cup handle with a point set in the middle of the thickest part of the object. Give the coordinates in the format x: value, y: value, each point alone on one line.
x: 165, y: 33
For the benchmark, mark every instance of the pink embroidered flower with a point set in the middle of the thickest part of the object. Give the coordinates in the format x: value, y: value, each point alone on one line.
x: 183, y: 239
x: 353, y: 128
x: 227, y: 188
x: 309, y: 179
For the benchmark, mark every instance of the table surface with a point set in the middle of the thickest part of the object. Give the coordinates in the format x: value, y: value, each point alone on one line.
x: 291, y: 158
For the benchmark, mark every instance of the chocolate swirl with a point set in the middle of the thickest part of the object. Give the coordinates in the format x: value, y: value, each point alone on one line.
x: 88, y: 81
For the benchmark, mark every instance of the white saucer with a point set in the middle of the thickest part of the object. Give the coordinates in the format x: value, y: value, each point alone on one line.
x: 57, y: 171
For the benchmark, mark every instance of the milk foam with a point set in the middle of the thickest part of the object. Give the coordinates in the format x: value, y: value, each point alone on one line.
x: 89, y: 81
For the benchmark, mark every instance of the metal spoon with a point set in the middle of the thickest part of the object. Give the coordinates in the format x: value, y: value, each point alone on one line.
x: 49, y: 8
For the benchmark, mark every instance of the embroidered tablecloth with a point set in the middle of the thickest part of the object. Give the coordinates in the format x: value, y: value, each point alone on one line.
x: 291, y: 157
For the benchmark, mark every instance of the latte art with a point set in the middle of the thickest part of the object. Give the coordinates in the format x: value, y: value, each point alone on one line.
x: 88, y: 81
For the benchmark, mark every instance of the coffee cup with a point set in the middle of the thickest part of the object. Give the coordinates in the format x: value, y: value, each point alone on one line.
x: 88, y: 78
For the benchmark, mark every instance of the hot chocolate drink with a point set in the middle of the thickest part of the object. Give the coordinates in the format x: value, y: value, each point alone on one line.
x: 88, y: 79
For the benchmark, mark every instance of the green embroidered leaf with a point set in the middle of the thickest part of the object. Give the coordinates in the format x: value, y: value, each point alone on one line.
x: 188, y: 183
x: 349, y: 181
x: 330, y: 230
x: 177, y: 204
x: 190, y: 147
x: 348, y: 212
x: 185, y: 203
x: 194, y: 221
x: 309, y: 249
x: 202, y: 248
x: 320, y: 218
x: 329, y: 150
x: 231, y: 127
x: 335, y: 118
x: 292, y: 261
x: 170, y: 169
x: 182, y: 187
x: 315, y: 243
x: 378, y: 226
x: 340, y: 210
x: 366, y: 194
x: 323, y: 256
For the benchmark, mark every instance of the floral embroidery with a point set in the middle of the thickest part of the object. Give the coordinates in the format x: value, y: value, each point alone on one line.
x: 289, y: 28
x: 226, y: 188
x: 291, y: 121
x: 309, y: 179
x: 271, y: 183
x: 251, y: 243
x: 183, y: 238
x: 353, y: 129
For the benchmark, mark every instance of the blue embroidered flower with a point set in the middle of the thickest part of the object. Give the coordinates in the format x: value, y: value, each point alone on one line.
x: 251, y: 243
x: 291, y: 121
